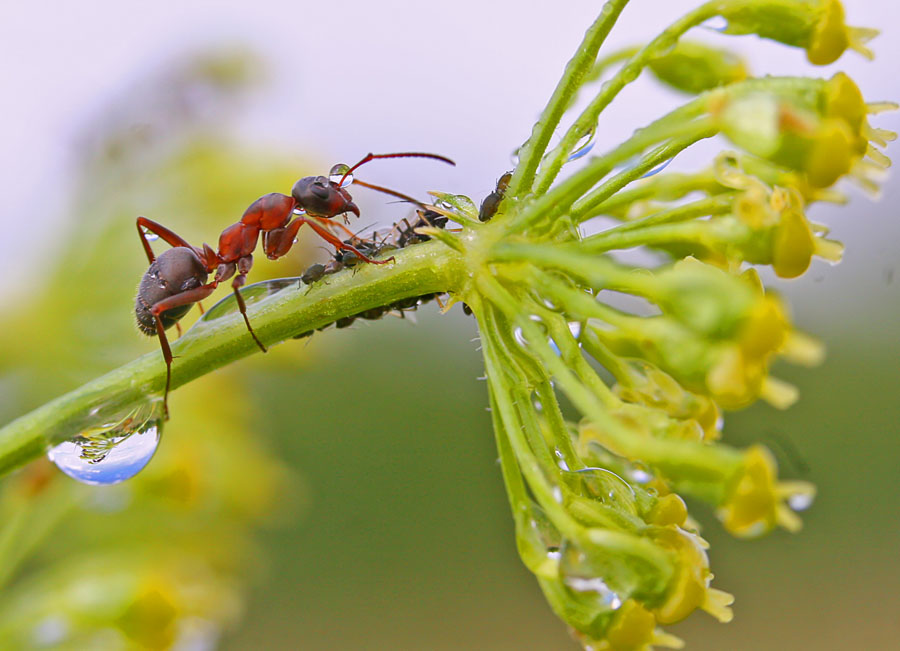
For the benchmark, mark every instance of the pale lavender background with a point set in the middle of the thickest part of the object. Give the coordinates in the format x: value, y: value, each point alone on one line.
x: 462, y: 78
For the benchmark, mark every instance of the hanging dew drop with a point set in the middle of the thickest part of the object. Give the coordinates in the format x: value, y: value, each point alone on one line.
x: 584, y: 146
x: 336, y: 175
x: 659, y: 168
x: 150, y: 236
x: 716, y: 24
x: 113, y: 451
x: 800, y: 501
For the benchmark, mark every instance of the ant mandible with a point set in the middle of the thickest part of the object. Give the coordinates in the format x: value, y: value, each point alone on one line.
x: 177, y: 278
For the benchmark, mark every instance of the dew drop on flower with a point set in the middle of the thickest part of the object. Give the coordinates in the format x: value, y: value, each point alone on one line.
x: 537, y: 538
x: 111, y: 452
x: 640, y: 476
x: 575, y: 328
x: 584, y: 145
x: 716, y: 24
x: 519, y: 337
x: 52, y: 630
x: 800, y: 501
x: 577, y: 571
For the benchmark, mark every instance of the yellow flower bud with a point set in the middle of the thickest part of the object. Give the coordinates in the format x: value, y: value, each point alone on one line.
x: 754, y: 504
x: 830, y: 37
x: 690, y: 589
x: 632, y: 628
x: 668, y: 509
x: 817, y: 26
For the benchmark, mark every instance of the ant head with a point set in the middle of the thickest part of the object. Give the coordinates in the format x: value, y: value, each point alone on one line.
x: 322, y: 197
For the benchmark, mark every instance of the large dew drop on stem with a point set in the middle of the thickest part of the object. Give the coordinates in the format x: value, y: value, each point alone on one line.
x: 114, y: 450
x: 251, y: 294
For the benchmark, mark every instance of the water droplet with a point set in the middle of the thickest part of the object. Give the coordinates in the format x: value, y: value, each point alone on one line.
x: 337, y: 173
x: 251, y: 294
x: 150, y: 236
x: 801, y: 501
x: 299, y: 211
x: 584, y: 145
x: 514, y: 156
x: 113, y: 451
x: 640, y: 476
x: 659, y: 168
x: 605, y: 485
x: 52, y: 630
x: 537, y: 539
x: 519, y: 337
x: 558, y: 494
x: 582, y: 573
x: 716, y: 24
x: 575, y: 328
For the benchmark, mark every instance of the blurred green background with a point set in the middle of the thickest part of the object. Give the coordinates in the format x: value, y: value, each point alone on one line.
x: 343, y: 491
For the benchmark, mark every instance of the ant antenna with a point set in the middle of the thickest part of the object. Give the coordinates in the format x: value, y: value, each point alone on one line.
x: 405, y: 154
x: 393, y: 193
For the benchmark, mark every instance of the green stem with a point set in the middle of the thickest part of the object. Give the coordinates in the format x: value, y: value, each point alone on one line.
x: 553, y: 162
x: 680, y: 123
x: 662, y: 234
x: 531, y: 152
x: 662, y: 187
x: 589, y: 205
x: 422, y: 269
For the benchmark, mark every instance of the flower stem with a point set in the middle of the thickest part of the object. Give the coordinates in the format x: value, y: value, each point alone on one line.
x: 578, y: 67
x: 426, y: 268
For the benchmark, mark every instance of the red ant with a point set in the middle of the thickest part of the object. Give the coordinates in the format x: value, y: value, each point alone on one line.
x: 177, y: 278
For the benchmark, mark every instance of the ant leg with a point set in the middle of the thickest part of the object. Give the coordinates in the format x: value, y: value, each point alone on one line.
x: 171, y: 237
x: 278, y: 241
x: 184, y: 298
x: 167, y: 355
x: 243, y: 267
x: 318, y: 225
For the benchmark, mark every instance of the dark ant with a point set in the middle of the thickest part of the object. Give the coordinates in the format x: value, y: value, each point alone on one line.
x: 492, y: 202
x: 178, y: 277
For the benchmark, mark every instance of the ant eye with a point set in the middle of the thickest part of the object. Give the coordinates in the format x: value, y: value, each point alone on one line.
x: 320, y: 190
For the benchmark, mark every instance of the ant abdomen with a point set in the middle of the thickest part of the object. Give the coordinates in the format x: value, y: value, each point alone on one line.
x: 173, y: 272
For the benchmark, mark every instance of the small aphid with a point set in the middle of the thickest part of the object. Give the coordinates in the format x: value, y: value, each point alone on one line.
x: 491, y: 203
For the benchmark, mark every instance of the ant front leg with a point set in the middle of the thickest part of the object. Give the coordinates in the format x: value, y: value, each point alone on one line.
x: 243, y: 268
x: 318, y: 224
x: 171, y: 237
x: 178, y: 300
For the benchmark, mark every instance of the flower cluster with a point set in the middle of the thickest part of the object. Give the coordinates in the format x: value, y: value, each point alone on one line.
x: 597, y: 497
